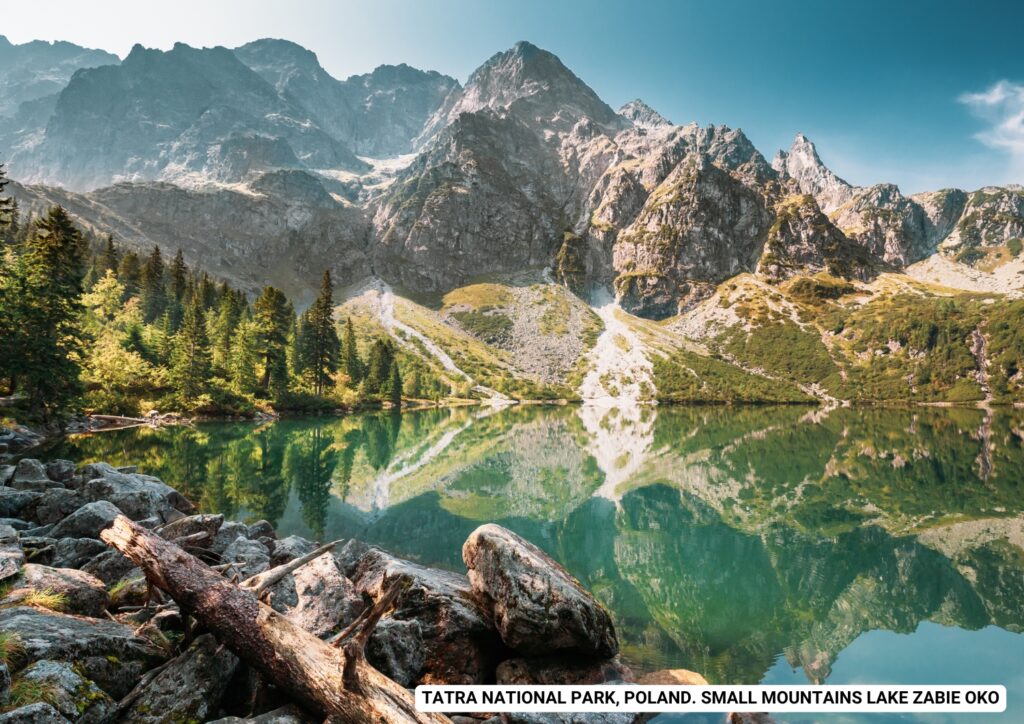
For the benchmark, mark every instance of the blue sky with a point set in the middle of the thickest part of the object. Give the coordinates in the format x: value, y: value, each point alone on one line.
x: 924, y: 94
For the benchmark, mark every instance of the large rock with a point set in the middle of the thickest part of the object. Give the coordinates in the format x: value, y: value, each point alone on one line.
x: 248, y: 556
x: 189, y: 688
x: 11, y: 555
x: 562, y: 669
x: 397, y: 647
x: 673, y: 677
x: 6, y: 474
x: 87, y: 521
x: 56, y: 504
x: 290, y: 548
x: 106, y: 652
x: 290, y: 714
x: 60, y: 470
x: 28, y: 472
x: 76, y: 552
x: 460, y: 645
x: 13, y: 502
x: 137, y: 496
x: 81, y: 593
x: 75, y: 697
x: 205, y: 523
x: 110, y: 566
x: 38, y: 713
x: 228, y: 533
x: 317, y: 597
x: 536, y: 605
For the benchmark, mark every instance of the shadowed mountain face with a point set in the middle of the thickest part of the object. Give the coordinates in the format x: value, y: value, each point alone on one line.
x: 523, y: 168
x: 739, y: 538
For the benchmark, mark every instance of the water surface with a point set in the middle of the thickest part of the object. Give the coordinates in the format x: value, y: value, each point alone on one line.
x: 783, y: 545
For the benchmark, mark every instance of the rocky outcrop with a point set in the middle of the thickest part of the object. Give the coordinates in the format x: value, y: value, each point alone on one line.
x: 537, y: 606
x: 642, y: 115
x: 76, y: 698
x: 77, y: 591
x: 802, y: 164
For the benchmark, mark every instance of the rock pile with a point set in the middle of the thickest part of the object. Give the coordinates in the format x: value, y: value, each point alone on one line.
x: 85, y: 638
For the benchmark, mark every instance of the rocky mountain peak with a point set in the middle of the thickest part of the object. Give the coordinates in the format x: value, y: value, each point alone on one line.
x: 642, y: 115
x: 803, y: 164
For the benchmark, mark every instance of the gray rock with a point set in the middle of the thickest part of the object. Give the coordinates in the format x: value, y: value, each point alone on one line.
x: 290, y: 548
x: 38, y: 713
x: 29, y: 471
x: 250, y: 557
x: 83, y: 594
x: 562, y: 669
x: 576, y: 718
x: 396, y: 649
x: 290, y: 714
x: 460, y: 643
x: 109, y: 653
x: 6, y: 474
x: 40, y: 531
x: 38, y: 549
x: 60, y: 470
x: 16, y: 523
x: 5, y: 684
x: 317, y: 597
x: 87, y: 521
x: 261, y: 529
x: 192, y: 524
x: 227, y: 534
x: 189, y: 688
x: 109, y: 566
x: 77, y: 698
x: 137, y: 496
x: 56, y: 504
x: 537, y: 606
x: 76, y: 552
x: 13, y: 502
x: 12, y: 557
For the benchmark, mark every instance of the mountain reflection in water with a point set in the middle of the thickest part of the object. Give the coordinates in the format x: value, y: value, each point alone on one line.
x: 731, y: 541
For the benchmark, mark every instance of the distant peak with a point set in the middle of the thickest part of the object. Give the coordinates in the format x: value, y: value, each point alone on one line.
x: 803, y: 164
x: 642, y: 115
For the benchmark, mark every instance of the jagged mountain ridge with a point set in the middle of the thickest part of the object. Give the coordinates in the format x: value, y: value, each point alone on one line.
x: 523, y: 167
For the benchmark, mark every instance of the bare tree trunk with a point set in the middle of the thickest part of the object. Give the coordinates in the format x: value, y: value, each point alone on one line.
x: 339, y: 683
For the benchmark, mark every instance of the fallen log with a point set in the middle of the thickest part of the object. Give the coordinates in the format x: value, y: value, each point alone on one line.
x: 338, y: 683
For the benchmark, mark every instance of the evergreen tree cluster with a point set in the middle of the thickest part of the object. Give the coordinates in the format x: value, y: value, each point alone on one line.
x: 85, y: 323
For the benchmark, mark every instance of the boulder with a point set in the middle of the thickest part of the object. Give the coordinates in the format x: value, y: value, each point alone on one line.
x: 290, y: 548
x: 575, y: 718
x: 396, y: 649
x: 76, y: 552
x: 56, y: 504
x: 562, y: 669
x: 81, y: 593
x: 290, y: 714
x: 137, y: 496
x: 60, y: 470
x: 5, y: 684
x: 16, y: 523
x: 109, y: 566
x: 228, y: 533
x: 29, y: 471
x: 106, y: 652
x: 317, y: 597
x: 261, y: 529
x: 6, y: 474
x: 192, y: 524
x: 537, y: 607
x: 190, y: 688
x: 673, y: 677
x: 87, y: 521
x: 13, y: 502
x: 75, y: 697
x: 248, y: 556
x: 460, y: 645
x: 38, y: 713
x: 37, y: 549
x: 11, y: 556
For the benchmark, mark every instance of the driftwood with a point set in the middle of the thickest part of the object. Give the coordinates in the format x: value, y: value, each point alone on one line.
x: 262, y: 581
x: 338, y: 683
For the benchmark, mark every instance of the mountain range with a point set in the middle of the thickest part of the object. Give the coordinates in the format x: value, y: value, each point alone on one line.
x: 263, y: 168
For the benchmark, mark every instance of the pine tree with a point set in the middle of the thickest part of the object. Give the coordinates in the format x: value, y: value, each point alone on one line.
x: 46, y: 335
x: 379, y: 368
x: 395, y: 386
x: 178, y: 277
x: 154, y: 294
x: 353, y: 365
x: 110, y: 259
x: 244, y: 356
x: 272, y: 317
x: 129, y: 271
x: 223, y: 328
x: 319, y: 346
x: 190, y: 360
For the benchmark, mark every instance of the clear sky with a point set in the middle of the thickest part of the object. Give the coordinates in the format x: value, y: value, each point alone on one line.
x: 923, y: 94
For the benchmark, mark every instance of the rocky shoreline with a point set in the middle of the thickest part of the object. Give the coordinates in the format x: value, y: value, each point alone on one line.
x: 87, y: 636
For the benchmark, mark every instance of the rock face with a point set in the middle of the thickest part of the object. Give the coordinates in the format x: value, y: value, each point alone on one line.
x: 459, y: 643
x: 76, y: 698
x: 189, y: 689
x: 87, y: 521
x: 802, y: 164
x: 11, y: 555
x: 318, y: 597
x: 537, y: 606
x: 642, y: 115
x: 82, y: 593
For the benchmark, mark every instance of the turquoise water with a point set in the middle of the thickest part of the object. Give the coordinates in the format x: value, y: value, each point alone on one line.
x: 755, y: 544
